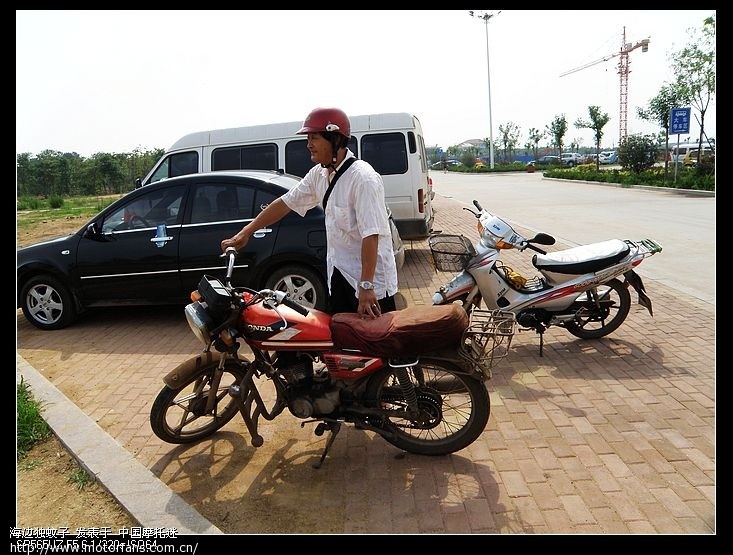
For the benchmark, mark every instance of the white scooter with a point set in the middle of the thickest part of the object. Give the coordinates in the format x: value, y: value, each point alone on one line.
x: 579, y: 288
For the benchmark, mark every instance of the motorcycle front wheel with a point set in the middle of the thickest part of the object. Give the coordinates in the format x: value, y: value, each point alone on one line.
x: 199, y: 406
x: 601, y: 310
x: 453, y: 408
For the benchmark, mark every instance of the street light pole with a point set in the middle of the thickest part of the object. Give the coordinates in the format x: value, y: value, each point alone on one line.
x: 486, y: 16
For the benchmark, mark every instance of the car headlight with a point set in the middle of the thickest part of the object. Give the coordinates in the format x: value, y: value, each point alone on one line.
x: 199, y: 321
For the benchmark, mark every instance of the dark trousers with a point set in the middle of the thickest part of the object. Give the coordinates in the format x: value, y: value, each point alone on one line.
x: 343, y: 297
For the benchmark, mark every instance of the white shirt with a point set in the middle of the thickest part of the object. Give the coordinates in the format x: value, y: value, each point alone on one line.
x: 355, y: 209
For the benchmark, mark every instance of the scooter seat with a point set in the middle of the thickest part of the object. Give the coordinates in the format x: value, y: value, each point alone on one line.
x: 583, y: 259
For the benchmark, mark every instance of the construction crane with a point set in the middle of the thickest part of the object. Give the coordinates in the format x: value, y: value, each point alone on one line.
x: 623, y: 71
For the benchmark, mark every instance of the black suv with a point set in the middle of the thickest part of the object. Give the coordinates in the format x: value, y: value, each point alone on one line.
x: 153, y: 245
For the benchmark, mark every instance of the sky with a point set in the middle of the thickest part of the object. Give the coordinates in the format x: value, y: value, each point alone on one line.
x: 114, y: 81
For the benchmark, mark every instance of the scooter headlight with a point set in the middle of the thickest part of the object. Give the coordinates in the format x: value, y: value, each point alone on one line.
x: 199, y: 321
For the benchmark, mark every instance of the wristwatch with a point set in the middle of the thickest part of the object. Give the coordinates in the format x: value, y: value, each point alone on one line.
x: 366, y: 285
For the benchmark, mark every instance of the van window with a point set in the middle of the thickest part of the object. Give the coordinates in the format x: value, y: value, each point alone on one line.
x: 298, y: 157
x: 177, y: 164
x: 255, y: 157
x: 386, y: 152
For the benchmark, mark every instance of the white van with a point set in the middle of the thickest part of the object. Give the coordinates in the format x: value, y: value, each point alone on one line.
x: 392, y: 143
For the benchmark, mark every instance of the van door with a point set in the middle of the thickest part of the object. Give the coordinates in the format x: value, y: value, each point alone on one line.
x: 397, y: 157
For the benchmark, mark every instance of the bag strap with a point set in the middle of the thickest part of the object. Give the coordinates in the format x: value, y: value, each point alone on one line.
x: 345, y: 166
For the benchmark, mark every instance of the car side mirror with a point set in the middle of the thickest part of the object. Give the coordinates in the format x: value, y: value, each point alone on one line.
x: 92, y: 232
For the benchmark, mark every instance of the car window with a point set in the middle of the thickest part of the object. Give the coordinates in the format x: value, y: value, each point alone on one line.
x: 263, y: 199
x: 161, y: 206
x: 217, y: 202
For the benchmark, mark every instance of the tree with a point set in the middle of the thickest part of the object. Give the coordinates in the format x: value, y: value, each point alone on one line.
x: 557, y: 130
x: 637, y: 152
x: 658, y: 110
x: 694, y: 68
x: 509, y: 138
x: 597, y: 122
x: 535, y: 136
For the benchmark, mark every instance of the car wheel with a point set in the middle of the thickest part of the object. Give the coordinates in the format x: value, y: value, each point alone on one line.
x: 303, y: 285
x: 47, y: 303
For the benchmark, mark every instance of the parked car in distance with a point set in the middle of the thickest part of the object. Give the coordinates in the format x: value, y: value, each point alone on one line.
x: 571, y: 159
x: 153, y: 245
x: 690, y: 158
x: 548, y: 159
x: 440, y: 164
x: 608, y: 157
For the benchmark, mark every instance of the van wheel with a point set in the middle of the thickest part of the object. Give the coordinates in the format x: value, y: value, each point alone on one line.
x: 47, y: 303
x: 303, y: 285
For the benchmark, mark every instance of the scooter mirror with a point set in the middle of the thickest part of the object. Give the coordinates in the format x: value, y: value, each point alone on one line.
x: 542, y: 239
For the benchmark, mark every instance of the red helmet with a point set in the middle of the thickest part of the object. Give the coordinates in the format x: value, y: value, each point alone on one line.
x: 326, y: 119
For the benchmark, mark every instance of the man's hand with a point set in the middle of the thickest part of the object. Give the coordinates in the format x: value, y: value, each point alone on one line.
x: 236, y: 241
x: 368, y: 305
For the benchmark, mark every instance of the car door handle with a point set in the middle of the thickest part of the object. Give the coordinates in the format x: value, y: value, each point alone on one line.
x: 260, y: 233
x: 161, y: 236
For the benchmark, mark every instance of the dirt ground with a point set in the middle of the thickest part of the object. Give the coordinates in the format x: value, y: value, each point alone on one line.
x: 46, y: 496
x: 48, y: 230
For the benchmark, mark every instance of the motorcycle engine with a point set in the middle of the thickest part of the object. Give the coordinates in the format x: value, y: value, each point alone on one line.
x: 536, y: 319
x: 309, y: 394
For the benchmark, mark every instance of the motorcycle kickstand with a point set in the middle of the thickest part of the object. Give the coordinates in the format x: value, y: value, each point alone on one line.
x: 542, y: 341
x: 334, y: 427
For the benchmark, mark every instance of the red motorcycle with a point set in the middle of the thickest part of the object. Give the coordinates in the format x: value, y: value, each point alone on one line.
x: 415, y: 376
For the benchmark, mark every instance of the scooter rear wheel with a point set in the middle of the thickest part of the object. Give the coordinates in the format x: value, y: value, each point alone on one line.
x: 180, y: 415
x: 601, y: 310
x: 453, y: 408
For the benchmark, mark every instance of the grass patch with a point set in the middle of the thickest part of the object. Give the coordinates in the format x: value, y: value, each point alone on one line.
x: 80, y: 478
x: 35, y: 210
x: 31, y: 427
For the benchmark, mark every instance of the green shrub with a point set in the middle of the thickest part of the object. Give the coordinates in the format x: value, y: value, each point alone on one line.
x: 55, y: 201
x: 29, y: 203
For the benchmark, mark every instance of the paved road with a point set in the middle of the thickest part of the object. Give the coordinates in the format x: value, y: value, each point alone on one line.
x: 576, y: 213
x: 608, y: 436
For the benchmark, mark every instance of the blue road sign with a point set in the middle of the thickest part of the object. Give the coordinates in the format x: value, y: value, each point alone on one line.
x: 679, y: 121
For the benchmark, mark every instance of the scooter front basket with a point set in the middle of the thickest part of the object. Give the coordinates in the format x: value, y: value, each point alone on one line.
x: 450, y: 253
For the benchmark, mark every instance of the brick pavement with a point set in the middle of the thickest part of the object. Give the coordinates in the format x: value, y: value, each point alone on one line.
x: 615, y: 436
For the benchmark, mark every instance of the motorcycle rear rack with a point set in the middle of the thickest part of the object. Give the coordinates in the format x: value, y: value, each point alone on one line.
x: 645, y: 247
x: 488, y: 337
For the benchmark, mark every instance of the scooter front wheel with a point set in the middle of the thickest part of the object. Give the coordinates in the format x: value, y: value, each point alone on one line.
x: 199, y: 406
x: 601, y: 310
x: 453, y: 408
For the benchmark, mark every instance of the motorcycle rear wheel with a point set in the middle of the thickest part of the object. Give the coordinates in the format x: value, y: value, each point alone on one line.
x: 454, y: 408
x: 180, y: 416
x: 595, y: 321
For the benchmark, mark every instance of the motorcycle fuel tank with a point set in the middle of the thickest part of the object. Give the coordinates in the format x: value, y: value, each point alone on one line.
x: 292, y: 332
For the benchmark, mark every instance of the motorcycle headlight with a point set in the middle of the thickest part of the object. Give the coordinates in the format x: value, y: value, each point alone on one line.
x: 199, y: 321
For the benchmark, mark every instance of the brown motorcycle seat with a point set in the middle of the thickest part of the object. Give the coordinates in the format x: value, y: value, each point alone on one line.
x: 409, y: 332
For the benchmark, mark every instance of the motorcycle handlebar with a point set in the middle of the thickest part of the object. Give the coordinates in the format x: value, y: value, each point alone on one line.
x: 536, y: 249
x: 295, y: 306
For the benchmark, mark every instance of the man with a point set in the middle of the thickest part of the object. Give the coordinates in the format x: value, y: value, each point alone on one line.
x: 362, y: 276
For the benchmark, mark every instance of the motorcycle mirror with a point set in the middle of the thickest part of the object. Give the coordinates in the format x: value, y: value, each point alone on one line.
x: 542, y: 239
